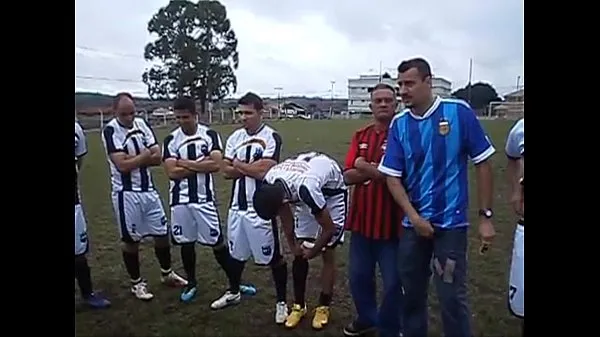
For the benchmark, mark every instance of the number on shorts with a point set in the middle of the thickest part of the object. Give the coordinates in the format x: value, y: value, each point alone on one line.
x: 177, y: 230
x: 512, y: 291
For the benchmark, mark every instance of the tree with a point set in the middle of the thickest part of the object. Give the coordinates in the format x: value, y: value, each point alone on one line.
x: 482, y: 94
x: 196, y: 52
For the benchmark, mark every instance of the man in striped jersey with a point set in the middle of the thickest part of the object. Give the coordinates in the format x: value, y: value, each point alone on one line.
x: 310, y: 197
x: 82, y: 270
x: 191, y: 153
x: 515, y: 152
x: 426, y: 164
x: 132, y: 149
x: 251, y: 151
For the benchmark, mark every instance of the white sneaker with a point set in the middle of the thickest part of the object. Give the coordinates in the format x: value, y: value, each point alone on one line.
x: 173, y: 280
x: 226, y: 300
x: 140, y: 290
x: 281, y: 312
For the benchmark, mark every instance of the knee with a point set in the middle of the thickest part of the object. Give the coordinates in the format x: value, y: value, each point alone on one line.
x: 130, y: 247
x: 80, y: 259
x: 162, y: 241
x: 277, y: 261
x: 328, y: 257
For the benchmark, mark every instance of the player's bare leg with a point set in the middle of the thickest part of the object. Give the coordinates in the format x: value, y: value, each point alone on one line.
x: 280, y: 273
x: 327, y: 281
x: 131, y: 259
x: 299, y: 276
x: 162, y: 250
x: 84, y: 280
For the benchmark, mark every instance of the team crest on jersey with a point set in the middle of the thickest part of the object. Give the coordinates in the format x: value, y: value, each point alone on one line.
x: 258, y: 153
x: 444, y: 127
x: 363, y: 146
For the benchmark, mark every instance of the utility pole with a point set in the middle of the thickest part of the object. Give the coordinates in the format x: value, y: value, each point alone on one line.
x: 331, y: 106
x: 470, y: 78
x: 278, y: 89
x: 518, y: 82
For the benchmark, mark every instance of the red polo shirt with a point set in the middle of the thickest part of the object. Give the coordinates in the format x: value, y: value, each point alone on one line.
x: 373, y: 212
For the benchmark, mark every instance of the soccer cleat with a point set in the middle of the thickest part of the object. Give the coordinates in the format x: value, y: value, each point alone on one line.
x: 295, y: 316
x: 226, y: 300
x: 140, y: 290
x: 281, y: 312
x: 248, y: 289
x: 321, y: 317
x: 96, y: 301
x: 357, y: 329
x: 173, y: 280
x: 188, y: 293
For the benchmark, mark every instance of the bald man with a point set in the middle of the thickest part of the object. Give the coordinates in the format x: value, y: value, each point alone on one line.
x: 132, y: 149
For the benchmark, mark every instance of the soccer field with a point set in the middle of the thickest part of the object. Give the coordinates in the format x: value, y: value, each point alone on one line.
x: 166, y: 316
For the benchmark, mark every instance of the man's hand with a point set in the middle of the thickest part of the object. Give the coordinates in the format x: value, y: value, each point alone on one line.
x: 145, y: 153
x: 486, y: 234
x: 423, y: 227
x: 236, y: 163
x: 368, y: 169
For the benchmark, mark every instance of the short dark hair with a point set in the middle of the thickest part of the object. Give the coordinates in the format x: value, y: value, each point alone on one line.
x: 252, y: 99
x: 419, y: 63
x: 267, y: 200
x: 382, y: 85
x: 185, y: 103
x: 118, y: 97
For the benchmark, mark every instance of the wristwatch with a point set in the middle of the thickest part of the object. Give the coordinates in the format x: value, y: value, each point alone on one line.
x: 487, y: 213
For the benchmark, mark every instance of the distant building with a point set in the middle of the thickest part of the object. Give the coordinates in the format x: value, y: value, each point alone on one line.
x: 359, y: 90
x: 513, y: 106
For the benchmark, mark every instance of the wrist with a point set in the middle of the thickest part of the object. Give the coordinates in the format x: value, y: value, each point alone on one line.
x: 486, y: 213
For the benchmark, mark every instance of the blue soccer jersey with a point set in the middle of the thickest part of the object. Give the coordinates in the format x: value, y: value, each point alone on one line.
x: 430, y: 154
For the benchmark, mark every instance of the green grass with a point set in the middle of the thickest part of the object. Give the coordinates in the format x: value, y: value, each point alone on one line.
x: 166, y: 316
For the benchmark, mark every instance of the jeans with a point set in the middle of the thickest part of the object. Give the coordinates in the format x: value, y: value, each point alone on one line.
x: 445, y: 255
x: 365, y: 254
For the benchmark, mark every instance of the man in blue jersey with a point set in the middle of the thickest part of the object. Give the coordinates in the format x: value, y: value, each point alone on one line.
x: 426, y: 167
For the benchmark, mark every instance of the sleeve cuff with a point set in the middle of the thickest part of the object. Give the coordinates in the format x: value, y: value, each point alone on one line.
x: 389, y: 171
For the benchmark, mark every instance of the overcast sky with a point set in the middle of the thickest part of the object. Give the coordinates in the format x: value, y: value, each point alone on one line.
x: 301, y: 46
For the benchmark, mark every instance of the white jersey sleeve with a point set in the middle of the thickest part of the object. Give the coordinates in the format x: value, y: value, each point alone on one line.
x: 214, y: 139
x: 273, y: 148
x: 80, y: 141
x: 113, y: 141
x: 230, y: 146
x: 169, y: 148
x: 149, y: 136
x: 515, y: 142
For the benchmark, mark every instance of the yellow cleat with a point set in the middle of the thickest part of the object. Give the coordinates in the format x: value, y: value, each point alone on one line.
x: 295, y: 316
x: 321, y: 317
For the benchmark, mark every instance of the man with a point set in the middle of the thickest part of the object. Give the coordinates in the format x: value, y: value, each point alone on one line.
x: 426, y: 167
x: 191, y: 153
x: 314, y: 184
x: 374, y: 220
x: 82, y: 269
x: 132, y: 149
x: 251, y: 151
x: 515, y: 151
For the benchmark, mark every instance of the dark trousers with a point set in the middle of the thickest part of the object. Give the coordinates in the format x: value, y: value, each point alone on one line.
x: 365, y: 254
x: 445, y: 255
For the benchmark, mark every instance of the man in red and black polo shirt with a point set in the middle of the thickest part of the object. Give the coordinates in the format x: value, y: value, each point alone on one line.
x: 375, y: 222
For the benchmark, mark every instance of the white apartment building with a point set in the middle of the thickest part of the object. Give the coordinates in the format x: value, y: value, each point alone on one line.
x: 359, y: 96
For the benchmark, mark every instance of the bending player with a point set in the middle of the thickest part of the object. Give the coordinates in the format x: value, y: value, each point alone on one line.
x: 515, y: 151
x: 132, y: 149
x: 314, y: 184
x: 191, y: 153
x: 251, y: 151
x: 82, y: 269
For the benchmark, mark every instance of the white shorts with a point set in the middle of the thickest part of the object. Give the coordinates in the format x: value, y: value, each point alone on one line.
x: 516, y: 291
x: 139, y: 214
x: 196, y: 223
x: 308, y: 229
x: 249, y: 235
x: 81, y: 238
